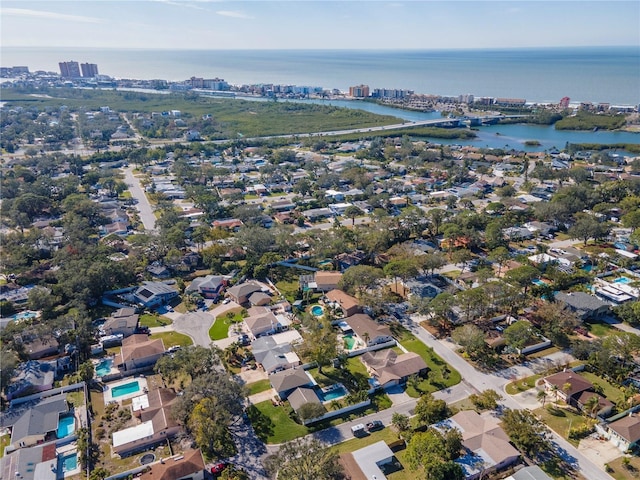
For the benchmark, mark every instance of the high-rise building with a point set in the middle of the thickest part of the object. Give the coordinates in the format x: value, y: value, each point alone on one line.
x: 89, y: 70
x: 564, y: 102
x: 69, y: 69
x: 359, y: 91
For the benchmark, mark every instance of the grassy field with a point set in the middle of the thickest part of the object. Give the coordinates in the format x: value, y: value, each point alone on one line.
x: 289, y: 288
x: 219, y: 329
x: 562, y: 421
x: 154, y: 320
x: 628, y: 472
x: 233, y: 116
x: 524, y: 384
x: 609, y: 390
x: 273, y: 424
x: 441, y: 375
x: 77, y: 398
x: 259, y: 386
x: 600, y: 329
x: 173, y: 338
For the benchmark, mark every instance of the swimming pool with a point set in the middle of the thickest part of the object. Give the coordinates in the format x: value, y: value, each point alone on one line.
x: 538, y: 282
x: 317, y: 311
x: 69, y: 462
x: 66, y: 426
x: 349, y: 341
x: 126, y: 389
x: 623, y: 280
x: 23, y: 315
x: 332, y: 393
x: 104, y: 367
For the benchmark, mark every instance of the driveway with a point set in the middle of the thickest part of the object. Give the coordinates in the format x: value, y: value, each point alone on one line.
x: 196, y: 325
x: 599, y: 451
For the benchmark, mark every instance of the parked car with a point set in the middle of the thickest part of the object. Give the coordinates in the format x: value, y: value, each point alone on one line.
x: 174, y: 348
x: 374, y: 425
x: 359, y: 430
x: 218, y: 467
x: 244, y: 339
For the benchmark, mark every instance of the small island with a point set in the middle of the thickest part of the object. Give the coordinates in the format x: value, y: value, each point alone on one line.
x: 532, y: 143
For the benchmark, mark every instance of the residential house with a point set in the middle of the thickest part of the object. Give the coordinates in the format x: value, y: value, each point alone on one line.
x: 370, y: 331
x: 584, y: 305
x: 156, y: 425
x: 346, y: 260
x: 139, y: 352
x: 367, y: 461
x: 39, y: 346
x: 228, y: 223
x: 209, y: 287
x: 625, y: 432
x: 568, y: 385
x: 240, y: 293
x: 391, y: 369
x: 123, y: 321
x: 188, y: 466
x: 154, y: 294
x: 348, y: 304
x: 259, y: 299
x: 31, y: 463
x: 302, y: 396
x: 274, y: 356
x: 35, y: 423
x: 487, y: 445
x: 529, y: 473
x: 262, y: 321
x: 286, y: 381
x: 31, y: 377
x: 315, y: 214
x: 157, y: 270
x: 320, y: 281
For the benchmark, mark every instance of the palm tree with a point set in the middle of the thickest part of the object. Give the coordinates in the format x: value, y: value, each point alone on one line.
x: 554, y: 390
x: 592, y: 406
x: 542, y: 396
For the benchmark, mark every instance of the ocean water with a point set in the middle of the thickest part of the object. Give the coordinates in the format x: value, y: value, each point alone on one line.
x: 596, y: 74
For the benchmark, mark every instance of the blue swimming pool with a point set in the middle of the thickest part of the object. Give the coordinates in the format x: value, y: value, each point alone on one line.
x: 317, y: 311
x: 126, y: 389
x: 69, y: 462
x: 104, y: 367
x: 538, y: 282
x: 624, y: 280
x: 332, y: 393
x: 23, y: 315
x: 66, y: 426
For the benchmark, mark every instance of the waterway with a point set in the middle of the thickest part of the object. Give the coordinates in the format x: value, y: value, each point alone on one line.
x: 495, y: 136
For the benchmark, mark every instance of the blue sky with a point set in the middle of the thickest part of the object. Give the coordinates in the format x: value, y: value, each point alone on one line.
x: 372, y: 24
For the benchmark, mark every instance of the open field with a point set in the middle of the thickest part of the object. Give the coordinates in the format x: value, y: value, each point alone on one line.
x: 173, y: 338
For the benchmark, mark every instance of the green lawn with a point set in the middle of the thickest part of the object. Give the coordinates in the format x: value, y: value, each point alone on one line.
x: 562, y: 421
x: 154, y: 320
x: 601, y: 329
x: 273, y: 424
x: 259, y: 386
x: 329, y: 376
x: 4, y: 441
x: 522, y: 385
x: 173, y: 338
x: 289, y: 288
x: 441, y: 375
x: 609, y: 390
x: 219, y: 329
x: 77, y: 398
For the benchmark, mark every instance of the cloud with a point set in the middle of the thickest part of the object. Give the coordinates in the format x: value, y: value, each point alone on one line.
x: 233, y: 14
x: 182, y: 4
x: 24, y: 12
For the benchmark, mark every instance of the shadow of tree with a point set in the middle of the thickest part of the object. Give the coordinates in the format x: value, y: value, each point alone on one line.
x: 262, y: 425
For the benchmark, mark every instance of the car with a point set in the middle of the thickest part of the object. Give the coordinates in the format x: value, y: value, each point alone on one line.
x: 226, y: 300
x: 244, y: 339
x: 218, y: 467
x: 174, y: 349
x: 374, y: 425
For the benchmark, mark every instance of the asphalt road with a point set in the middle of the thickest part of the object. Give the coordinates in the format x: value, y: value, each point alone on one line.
x: 145, y: 209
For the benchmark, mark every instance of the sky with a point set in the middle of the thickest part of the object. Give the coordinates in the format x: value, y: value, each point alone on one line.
x: 301, y: 24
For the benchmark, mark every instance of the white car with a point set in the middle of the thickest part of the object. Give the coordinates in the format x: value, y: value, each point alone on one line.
x: 226, y: 300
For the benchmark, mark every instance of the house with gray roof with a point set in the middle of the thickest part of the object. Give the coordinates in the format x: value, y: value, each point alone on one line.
x: 302, y: 396
x: 154, y: 294
x: 31, y: 377
x: 123, y: 321
x: 585, y: 306
x: 37, y: 423
x: 33, y: 463
x: 287, y: 381
x: 273, y: 356
x: 210, y: 286
x: 241, y: 292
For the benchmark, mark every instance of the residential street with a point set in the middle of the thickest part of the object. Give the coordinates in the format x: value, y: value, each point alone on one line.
x: 145, y: 209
